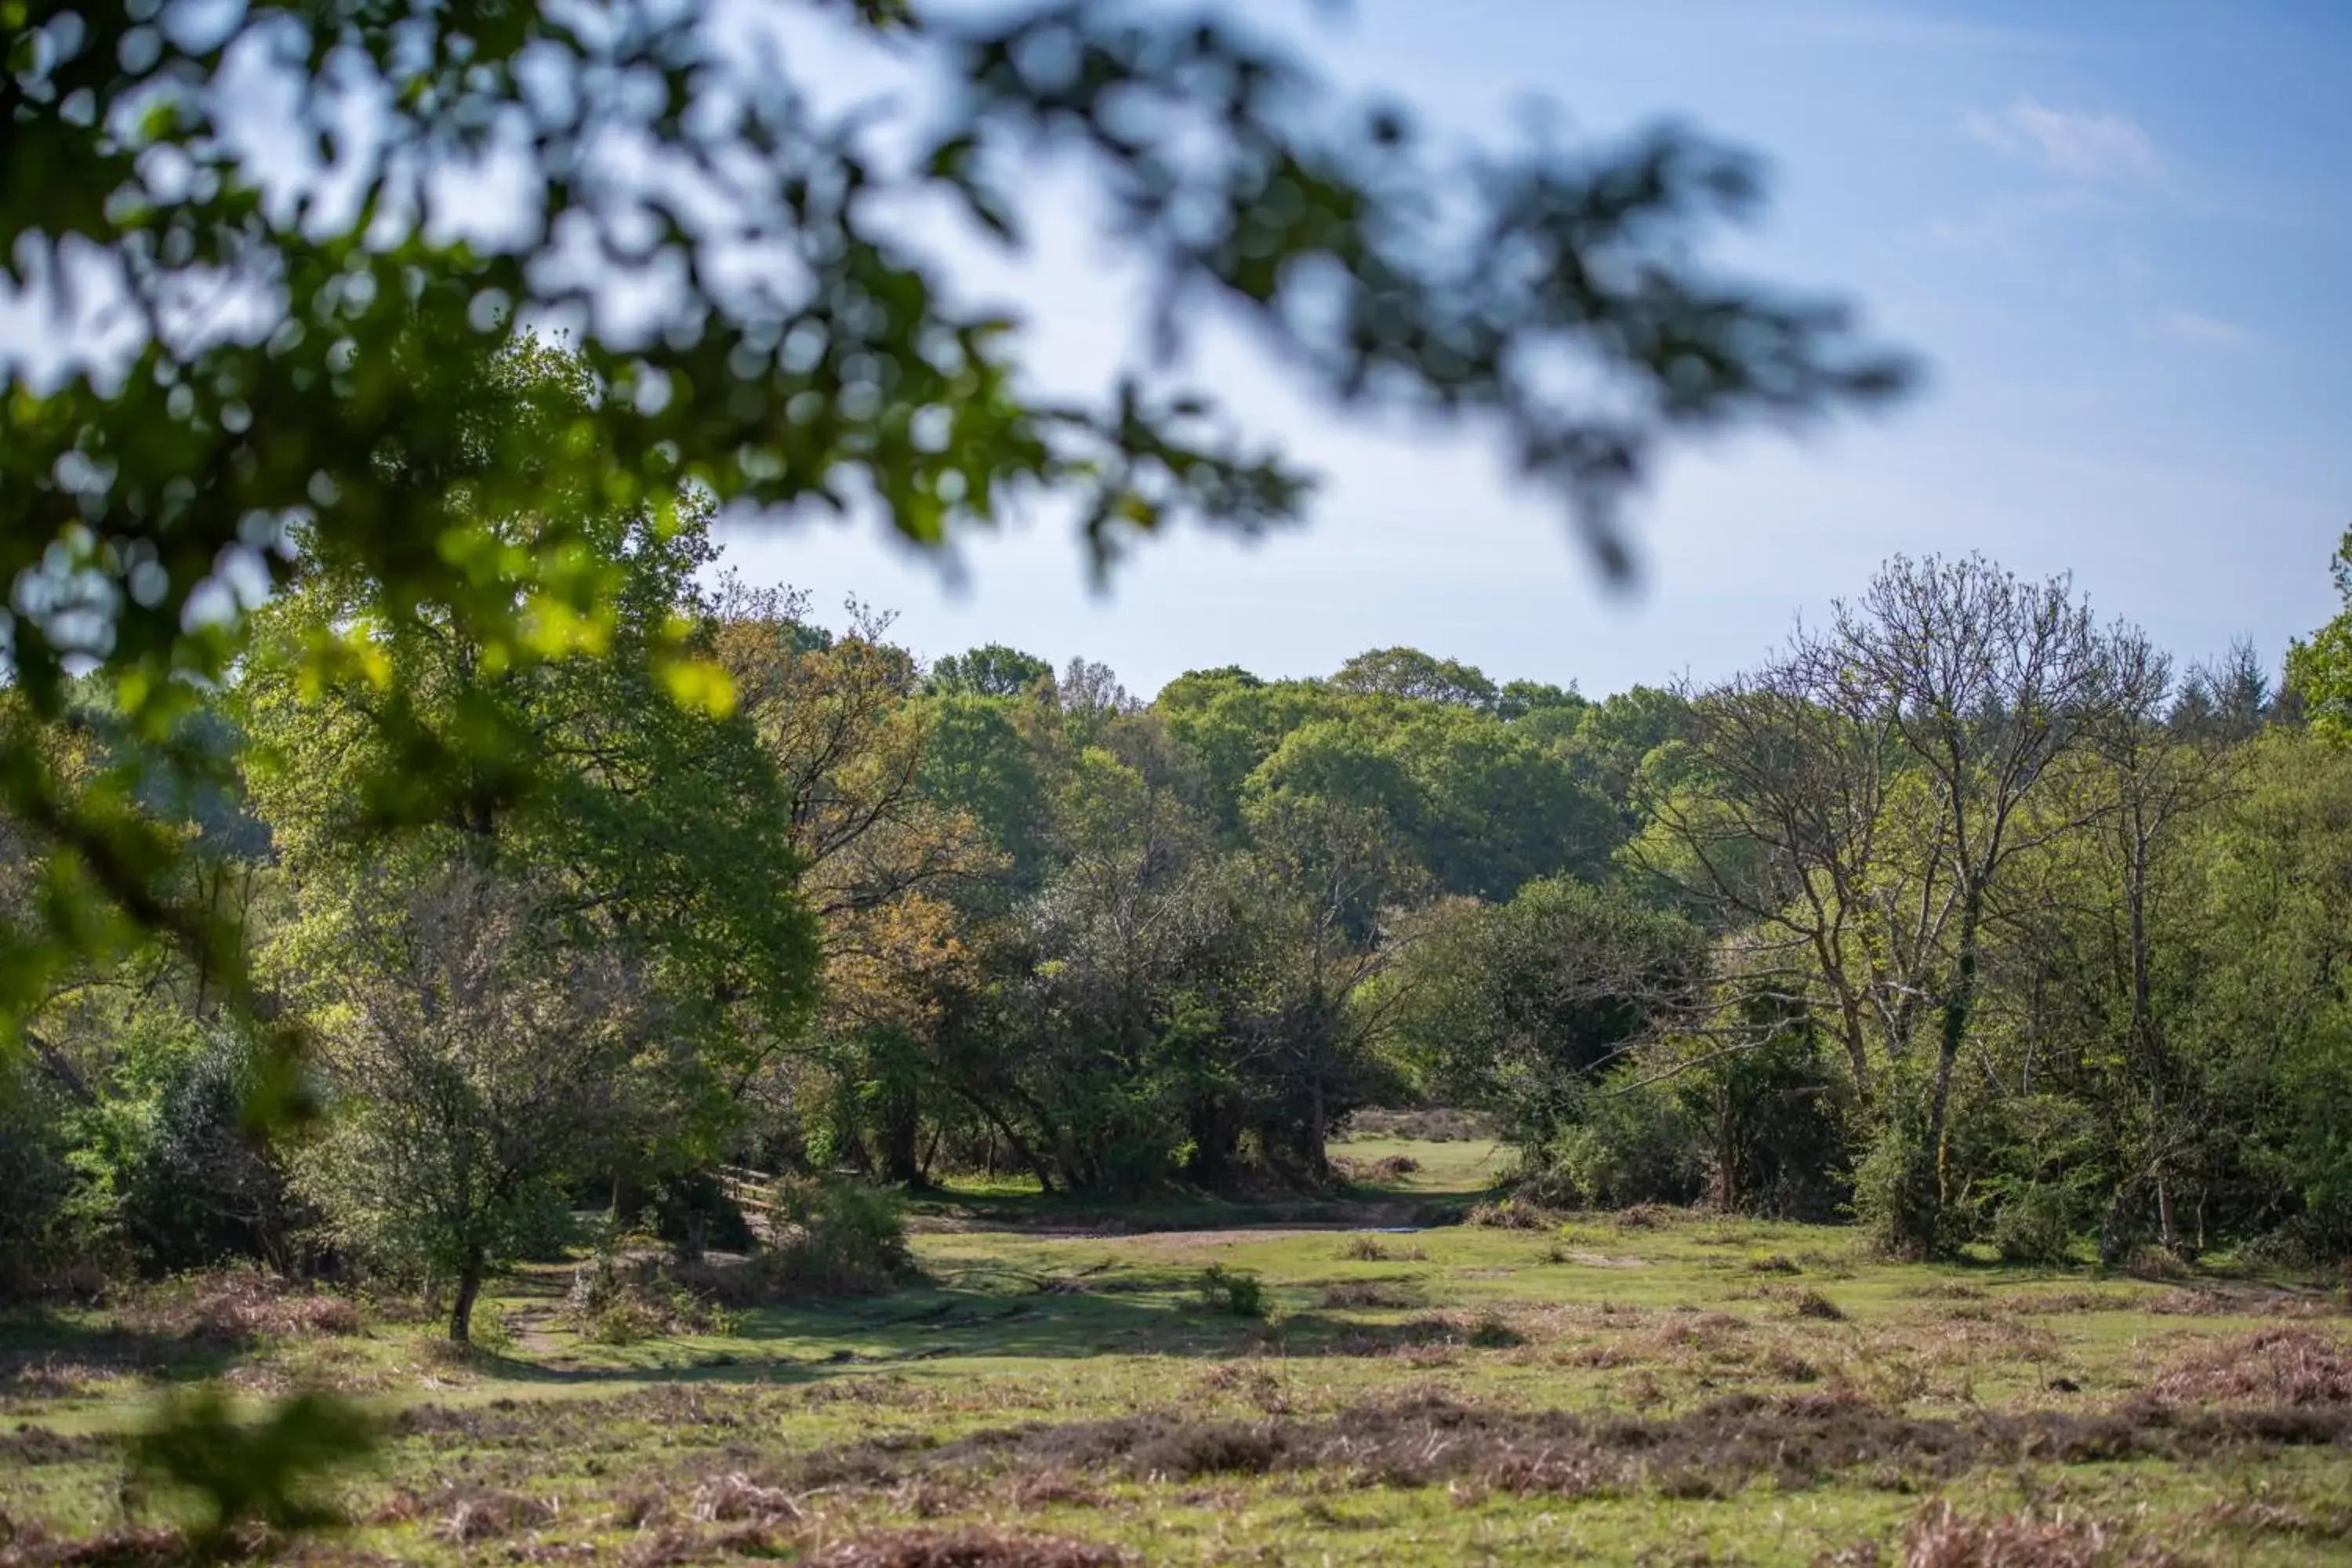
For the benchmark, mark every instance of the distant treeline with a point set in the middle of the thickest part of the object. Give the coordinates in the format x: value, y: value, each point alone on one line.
x: 1966, y: 915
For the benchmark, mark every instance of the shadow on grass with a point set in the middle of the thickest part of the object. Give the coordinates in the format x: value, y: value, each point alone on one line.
x: 1353, y: 1207
x: 1153, y: 1312
x: 36, y: 1343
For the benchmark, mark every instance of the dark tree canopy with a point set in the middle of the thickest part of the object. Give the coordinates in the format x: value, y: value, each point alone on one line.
x: 991, y: 671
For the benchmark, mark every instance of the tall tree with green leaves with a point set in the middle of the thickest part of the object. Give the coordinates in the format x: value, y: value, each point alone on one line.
x: 2319, y: 667
x: 639, y: 835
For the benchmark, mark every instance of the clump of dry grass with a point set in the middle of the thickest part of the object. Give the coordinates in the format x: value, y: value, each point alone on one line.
x: 1367, y: 1293
x: 1388, y: 1168
x: 2264, y: 1516
x: 1813, y: 1304
x: 1645, y: 1217
x: 974, y: 1546
x: 1971, y: 1335
x: 1716, y: 1334
x: 1513, y: 1214
x: 1254, y: 1384
x: 29, y: 1545
x: 44, y: 1377
x: 1050, y: 1490
x: 2282, y: 1365
x: 731, y: 1498
x: 1947, y: 1291
x: 1363, y: 1249
x: 684, y: 1543
x: 237, y: 1305
x: 2063, y: 1302
x: 2155, y: 1263
x: 1491, y: 1331
x: 486, y: 1515
x: 2212, y: 1302
x: 1797, y: 1440
x: 1943, y: 1538
x: 1774, y: 1263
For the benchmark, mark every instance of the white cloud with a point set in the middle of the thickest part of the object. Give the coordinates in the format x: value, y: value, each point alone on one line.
x: 2080, y: 145
x: 2190, y: 327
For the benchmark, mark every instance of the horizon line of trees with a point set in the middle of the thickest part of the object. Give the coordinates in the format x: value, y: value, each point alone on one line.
x: 1964, y: 915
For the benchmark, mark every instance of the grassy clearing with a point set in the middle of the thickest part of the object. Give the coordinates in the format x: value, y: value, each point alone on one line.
x: 1650, y: 1387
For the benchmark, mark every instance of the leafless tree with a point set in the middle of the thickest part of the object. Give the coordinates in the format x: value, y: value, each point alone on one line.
x: 1987, y: 681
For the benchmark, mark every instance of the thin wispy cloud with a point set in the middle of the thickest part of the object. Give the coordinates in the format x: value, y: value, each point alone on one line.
x: 2080, y: 145
x: 2190, y: 327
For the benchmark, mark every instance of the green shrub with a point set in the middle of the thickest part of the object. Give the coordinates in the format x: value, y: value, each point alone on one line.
x: 2035, y: 1225
x: 1896, y: 1188
x: 1224, y: 1289
x: 617, y: 1301
x: 1642, y: 1146
x: 34, y: 1234
x: 833, y: 1238
x: 191, y: 1187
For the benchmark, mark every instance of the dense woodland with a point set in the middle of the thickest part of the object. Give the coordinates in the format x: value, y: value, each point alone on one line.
x: 1966, y: 915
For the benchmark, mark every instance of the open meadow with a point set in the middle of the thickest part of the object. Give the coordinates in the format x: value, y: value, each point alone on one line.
x: 1368, y: 1379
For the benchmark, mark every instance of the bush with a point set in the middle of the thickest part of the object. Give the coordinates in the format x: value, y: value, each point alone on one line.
x: 34, y: 1236
x: 693, y: 1212
x: 1546, y: 1187
x: 616, y: 1301
x: 2036, y: 1225
x: 1512, y: 1214
x: 1223, y: 1290
x: 1641, y: 1146
x: 1894, y: 1188
x: 200, y: 1190
x: 833, y: 1238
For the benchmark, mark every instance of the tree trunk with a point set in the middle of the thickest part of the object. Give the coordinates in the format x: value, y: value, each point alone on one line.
x: 1727, y: 1156
x: 900, y: 1137
x: 1022, y: 1148
x: 2144, y: 1033
x: 1922, y: 1217
x: 1318, y: 1159
x: 470, y: 1286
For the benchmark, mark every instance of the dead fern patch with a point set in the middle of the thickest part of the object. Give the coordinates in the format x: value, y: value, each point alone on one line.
x: 488, y: 1515
x: 974, y: 1546
x: 238, y: 1306
x: 732, y: 1497
x: 1944, y: 1538
x: 2294, y: 1367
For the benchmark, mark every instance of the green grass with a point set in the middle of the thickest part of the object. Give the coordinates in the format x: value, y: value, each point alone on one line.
x: 1610, y: 1391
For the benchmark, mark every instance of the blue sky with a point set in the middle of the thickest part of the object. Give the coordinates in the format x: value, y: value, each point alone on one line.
x: 2120, y: 234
